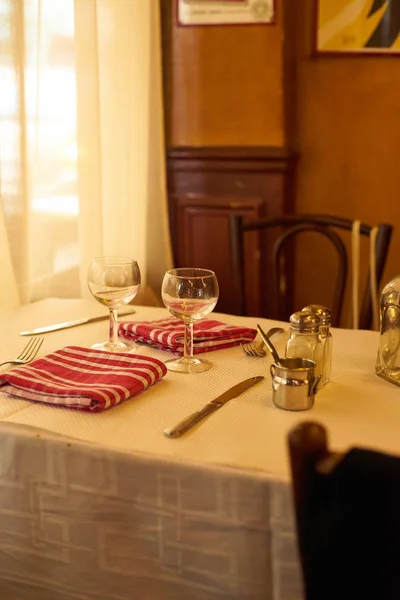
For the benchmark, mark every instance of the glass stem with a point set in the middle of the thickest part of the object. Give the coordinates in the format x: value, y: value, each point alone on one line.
x: 188, y: 341
x: 113, y: 334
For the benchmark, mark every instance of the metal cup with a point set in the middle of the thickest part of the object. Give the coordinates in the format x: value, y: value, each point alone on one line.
x: 294, y: 383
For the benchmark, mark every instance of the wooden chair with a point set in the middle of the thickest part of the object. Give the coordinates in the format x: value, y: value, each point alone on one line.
x: 347, y: 509
x: 278, y: 255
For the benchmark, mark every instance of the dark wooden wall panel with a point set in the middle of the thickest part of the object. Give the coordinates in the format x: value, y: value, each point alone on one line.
x: 224, y: 83
x: 207, y: 185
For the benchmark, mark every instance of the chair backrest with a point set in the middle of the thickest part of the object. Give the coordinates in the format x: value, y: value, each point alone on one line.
x: 277, y: 250
x: 347, y: 518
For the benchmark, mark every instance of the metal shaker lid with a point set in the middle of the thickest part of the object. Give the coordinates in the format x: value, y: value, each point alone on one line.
x: 305, y: 321
x: 321, y: 311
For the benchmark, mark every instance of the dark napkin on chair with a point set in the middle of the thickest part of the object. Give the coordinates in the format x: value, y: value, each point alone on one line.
x: 168, y: 334
x: 82, y: 378
x: 353, y: 545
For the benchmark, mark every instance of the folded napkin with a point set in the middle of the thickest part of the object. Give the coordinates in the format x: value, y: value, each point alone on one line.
x: 82, y: 378
x: 168, y: 334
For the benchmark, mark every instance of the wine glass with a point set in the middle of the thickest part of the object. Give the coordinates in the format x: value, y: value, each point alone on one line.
x: 189, y: 294
x: 114, y: 281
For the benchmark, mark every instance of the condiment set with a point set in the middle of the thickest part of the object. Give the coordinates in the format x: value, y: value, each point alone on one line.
x: 307, y: 364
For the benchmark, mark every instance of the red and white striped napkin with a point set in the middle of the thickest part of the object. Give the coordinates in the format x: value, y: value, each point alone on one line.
x: 168, y: 334
x: 82, y: 378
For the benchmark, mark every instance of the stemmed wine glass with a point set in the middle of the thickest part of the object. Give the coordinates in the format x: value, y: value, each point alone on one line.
x: 114, y: 281
x: 189, y: 294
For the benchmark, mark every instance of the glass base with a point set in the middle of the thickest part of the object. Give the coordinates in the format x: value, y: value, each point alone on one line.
x: 117, y: 347
x: 188, y: 365
x: 390, y: 375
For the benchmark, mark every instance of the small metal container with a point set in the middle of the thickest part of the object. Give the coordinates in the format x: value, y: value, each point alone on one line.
x: 294, y: 383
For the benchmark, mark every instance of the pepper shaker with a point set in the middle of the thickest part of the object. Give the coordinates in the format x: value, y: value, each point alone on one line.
x: 304, y: 341
x: 325, y: 336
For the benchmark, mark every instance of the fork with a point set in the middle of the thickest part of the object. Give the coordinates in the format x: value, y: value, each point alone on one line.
x: 253, y: 349
x: 28, y: 353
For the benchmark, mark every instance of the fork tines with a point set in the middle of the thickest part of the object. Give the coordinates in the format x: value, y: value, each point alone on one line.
x: 31, y: 349
x: 252, y: 349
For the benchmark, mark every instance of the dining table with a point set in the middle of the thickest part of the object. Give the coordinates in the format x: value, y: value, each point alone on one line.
x: 105, y: 506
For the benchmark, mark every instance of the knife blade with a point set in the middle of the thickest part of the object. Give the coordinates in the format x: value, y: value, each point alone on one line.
x: 73, y: 323
x: 211, y: 407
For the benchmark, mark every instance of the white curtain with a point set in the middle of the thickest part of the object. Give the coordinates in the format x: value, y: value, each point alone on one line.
x: 82, y: 170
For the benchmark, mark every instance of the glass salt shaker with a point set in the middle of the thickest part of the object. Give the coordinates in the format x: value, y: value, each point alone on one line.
x: 304, y: 341
x: 325, y: 336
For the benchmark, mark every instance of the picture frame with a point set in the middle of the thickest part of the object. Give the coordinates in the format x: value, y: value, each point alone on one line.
x: 368, y: 27
x: 225, y: 12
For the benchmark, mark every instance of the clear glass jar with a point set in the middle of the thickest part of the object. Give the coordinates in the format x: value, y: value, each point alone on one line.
x: 325, y: 336
x: 388, y: 359
x: 304, y: 339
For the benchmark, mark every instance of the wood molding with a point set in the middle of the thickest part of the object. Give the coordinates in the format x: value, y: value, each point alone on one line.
x: 230, y: 158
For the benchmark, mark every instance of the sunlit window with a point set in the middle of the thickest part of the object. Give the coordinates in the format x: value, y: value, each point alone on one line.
x: 38, y: 134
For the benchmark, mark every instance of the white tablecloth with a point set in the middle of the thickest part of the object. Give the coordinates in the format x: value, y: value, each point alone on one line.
x: 105, y: 506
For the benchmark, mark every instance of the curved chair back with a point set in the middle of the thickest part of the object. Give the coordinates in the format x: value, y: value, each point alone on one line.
x: 280, y: 233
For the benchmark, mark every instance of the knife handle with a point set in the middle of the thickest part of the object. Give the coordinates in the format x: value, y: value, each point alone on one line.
x: 191, y: 420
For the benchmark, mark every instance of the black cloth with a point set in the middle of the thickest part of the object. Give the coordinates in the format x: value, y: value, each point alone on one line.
x: 352, y: 541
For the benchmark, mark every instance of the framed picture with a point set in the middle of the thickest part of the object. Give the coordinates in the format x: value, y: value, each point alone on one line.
x: 357, y: 26
x: 225, y: 12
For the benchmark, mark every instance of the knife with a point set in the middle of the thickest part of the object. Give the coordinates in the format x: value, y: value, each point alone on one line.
x: 68, y: 324
x: 211, y: 407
